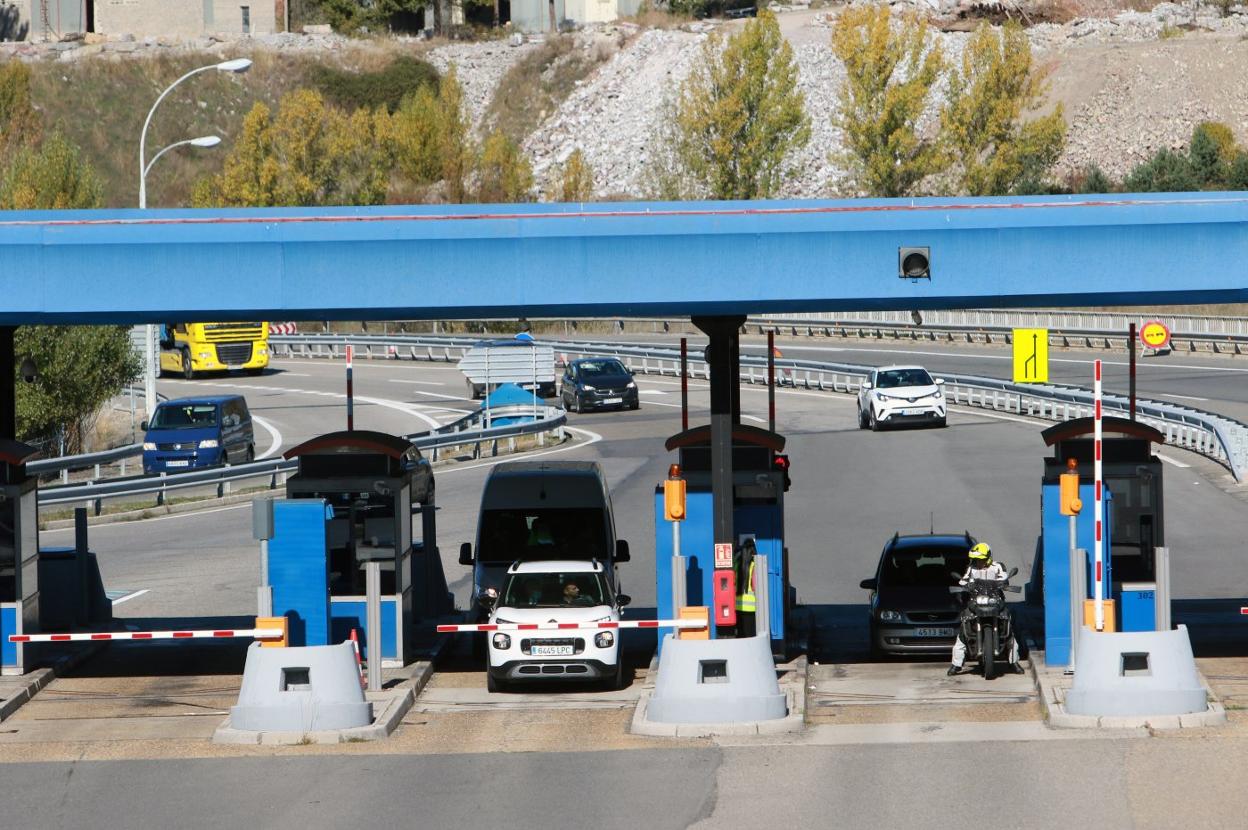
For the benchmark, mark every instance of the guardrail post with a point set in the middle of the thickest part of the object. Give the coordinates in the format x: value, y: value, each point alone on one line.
x: 97, y: 472
x: 123, y: 467
x: 160, y: 494
x: 65, y: 476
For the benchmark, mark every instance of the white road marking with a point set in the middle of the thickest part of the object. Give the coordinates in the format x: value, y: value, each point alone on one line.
x: 1183, y: 397
x: 755, y: 418
x: 295, y: 375
x: 418, y: 382
x: 434, y: 394
x: 652, y: 392
x: 1173, y: 461
x: 398, y: 406
x: 275, y: 436
x: 130, y: 596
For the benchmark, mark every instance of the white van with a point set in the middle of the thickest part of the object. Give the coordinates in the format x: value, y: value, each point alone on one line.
x: 537, y: 510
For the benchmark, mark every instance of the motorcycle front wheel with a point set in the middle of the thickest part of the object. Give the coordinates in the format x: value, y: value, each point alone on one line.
x: 988, y: 653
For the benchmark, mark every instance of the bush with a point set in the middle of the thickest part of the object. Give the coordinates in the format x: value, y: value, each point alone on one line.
x: 505, y: 174
x: 1095, y: 181
x: 1205, y: 157
x: 1237, y: 177
x: 384, y: 88
x: 1166, y: 172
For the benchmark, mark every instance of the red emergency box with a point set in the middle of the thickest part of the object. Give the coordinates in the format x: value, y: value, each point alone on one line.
x: 724, y: 585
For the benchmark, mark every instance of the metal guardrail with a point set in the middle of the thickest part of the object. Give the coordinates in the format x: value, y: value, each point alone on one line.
x: 1214, y: 436
x: 1189, y: 334
x: 463, y: 432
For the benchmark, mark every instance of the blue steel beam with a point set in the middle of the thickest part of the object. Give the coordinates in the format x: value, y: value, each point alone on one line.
x: 619, y: 259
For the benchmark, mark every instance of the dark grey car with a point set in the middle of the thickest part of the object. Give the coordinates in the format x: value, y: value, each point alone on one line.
x: 912, y: 611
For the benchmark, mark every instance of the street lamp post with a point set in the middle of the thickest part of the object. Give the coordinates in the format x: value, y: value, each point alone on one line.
x: 149, y: 339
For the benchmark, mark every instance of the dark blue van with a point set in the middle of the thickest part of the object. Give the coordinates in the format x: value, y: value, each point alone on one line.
x: 189, y: 433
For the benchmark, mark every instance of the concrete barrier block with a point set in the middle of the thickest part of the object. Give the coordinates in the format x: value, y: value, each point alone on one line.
x: 716, y: 682
x: 1135, y: 673
x: 304, y: 690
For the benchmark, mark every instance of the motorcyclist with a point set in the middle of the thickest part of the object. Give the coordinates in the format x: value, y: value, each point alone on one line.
x: 982, y: 566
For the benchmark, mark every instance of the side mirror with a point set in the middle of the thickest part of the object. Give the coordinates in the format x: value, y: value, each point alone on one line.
x: 488, y: 598
x: 940, y: 381
x: 621, y: 551
x: 465, y: 554
x: 623, y: 599
x: 866, y: 384
x: 143, y: 426
x: 868, y: 584
x: 1012, y: 573
x: 957, y: 577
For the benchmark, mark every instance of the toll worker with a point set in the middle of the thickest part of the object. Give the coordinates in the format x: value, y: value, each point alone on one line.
x: 747, y: 599
x: 982, y: 566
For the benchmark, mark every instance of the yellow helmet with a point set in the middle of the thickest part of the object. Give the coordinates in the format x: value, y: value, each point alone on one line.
x: 981, y: 553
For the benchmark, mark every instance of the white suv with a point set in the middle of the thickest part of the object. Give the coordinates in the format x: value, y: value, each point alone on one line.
x: 900, y: 395
x: 555, y: 591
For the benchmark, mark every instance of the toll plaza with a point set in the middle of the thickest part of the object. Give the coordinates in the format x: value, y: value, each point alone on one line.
x: 1135, y: 569
x: 352, y: 502
x: 19, y: 553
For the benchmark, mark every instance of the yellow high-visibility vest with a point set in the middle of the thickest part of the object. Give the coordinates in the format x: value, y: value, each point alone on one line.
x: 746, y: 601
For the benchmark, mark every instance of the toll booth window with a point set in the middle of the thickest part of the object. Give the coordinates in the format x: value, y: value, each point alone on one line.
x: 549, y: 533
x: 555, y: 590
x: 184, y: 416
x: 923, y: 567
x: 361, y: 518
x: 8, y: 550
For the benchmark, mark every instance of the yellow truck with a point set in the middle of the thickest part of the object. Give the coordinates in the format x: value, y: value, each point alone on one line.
x: 190, y: 348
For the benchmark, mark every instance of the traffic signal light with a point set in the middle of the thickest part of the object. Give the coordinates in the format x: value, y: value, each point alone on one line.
x: 781, y: 463
x: 674, y: 496
x: 1068, y: 494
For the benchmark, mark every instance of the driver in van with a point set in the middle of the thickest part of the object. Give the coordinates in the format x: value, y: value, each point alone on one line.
x: 982, y: 566
x: 572, y: 594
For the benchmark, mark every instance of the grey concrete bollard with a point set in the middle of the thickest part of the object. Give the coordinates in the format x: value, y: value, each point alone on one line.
x: 308, y: 689
x: 1135, y: 673
x: 716, y: 681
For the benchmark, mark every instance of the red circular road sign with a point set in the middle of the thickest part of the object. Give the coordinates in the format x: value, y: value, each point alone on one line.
x: 1155, y: 335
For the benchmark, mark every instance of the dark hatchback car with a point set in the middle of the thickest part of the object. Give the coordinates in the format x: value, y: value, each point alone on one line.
x: 912, y: 611
x: 598, y: 383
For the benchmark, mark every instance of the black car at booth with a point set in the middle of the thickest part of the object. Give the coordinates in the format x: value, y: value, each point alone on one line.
x: 912, y: 610
x: 598, y: 383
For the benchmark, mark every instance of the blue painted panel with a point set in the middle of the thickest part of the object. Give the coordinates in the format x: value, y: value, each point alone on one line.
x: 697, y: 544
x: 618, y: 259
x: 766, y: 522
x: 8, y: 625
x: 1056, y: 552
x: 299, y: 568
x: 347, y: 614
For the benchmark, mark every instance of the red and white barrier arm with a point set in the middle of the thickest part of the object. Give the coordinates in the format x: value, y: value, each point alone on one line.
x: 591, y: 626
x: 95, y: 636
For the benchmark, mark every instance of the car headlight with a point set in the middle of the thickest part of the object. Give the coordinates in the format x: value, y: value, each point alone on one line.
x: 632, y: 384
x: 604, y: 639
x: 205, y: 355
x: 501, y: 640
x: 985, y: 600
x: 890, y: 616
x: 208, y: 444
x: 149, y: 445
x: 938, y: 394
x: 588, y: 388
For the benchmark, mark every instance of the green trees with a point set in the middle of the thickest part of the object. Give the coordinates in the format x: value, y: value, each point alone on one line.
x: 306, y: 154
x: 50, y: 176
x: 991, y: 88
x: 504, y: 174
x: 890, y: 72
x: 739, y: 113
x: 576, y: 179
x: 982, y: 144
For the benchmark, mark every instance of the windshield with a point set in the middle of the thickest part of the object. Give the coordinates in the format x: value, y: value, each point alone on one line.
x: 542, y: 533
x: 184, y: 416
x: 903, y: 377
x: 554, y: 590
x: 602, y: 368
x: 924, y: 567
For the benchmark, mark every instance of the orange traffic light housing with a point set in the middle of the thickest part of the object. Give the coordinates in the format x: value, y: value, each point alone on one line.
x: 1068, y: 494
x: 674, y: 496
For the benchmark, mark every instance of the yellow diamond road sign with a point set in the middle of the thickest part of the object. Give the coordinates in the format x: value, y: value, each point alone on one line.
x: 1031, y: 355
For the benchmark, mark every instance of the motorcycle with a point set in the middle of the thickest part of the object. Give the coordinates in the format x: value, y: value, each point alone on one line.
x: 986, y: 624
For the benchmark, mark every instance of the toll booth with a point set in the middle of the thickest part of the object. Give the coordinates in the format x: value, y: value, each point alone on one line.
x: 758, y: 514
x: 19, y: 554
x: 1134, y: 524
x: 355, y: 489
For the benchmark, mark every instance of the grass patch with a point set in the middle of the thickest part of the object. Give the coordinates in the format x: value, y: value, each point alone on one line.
x: 1167, y: 32
x: 533, y: 89
x: 386, y: 86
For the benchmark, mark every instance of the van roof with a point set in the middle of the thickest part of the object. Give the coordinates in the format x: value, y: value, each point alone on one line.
x: 543, y: 566
x: 530, y: 468
x: 212, y: 399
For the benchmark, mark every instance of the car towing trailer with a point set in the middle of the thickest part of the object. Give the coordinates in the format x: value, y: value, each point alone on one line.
x: 1136, y: 566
